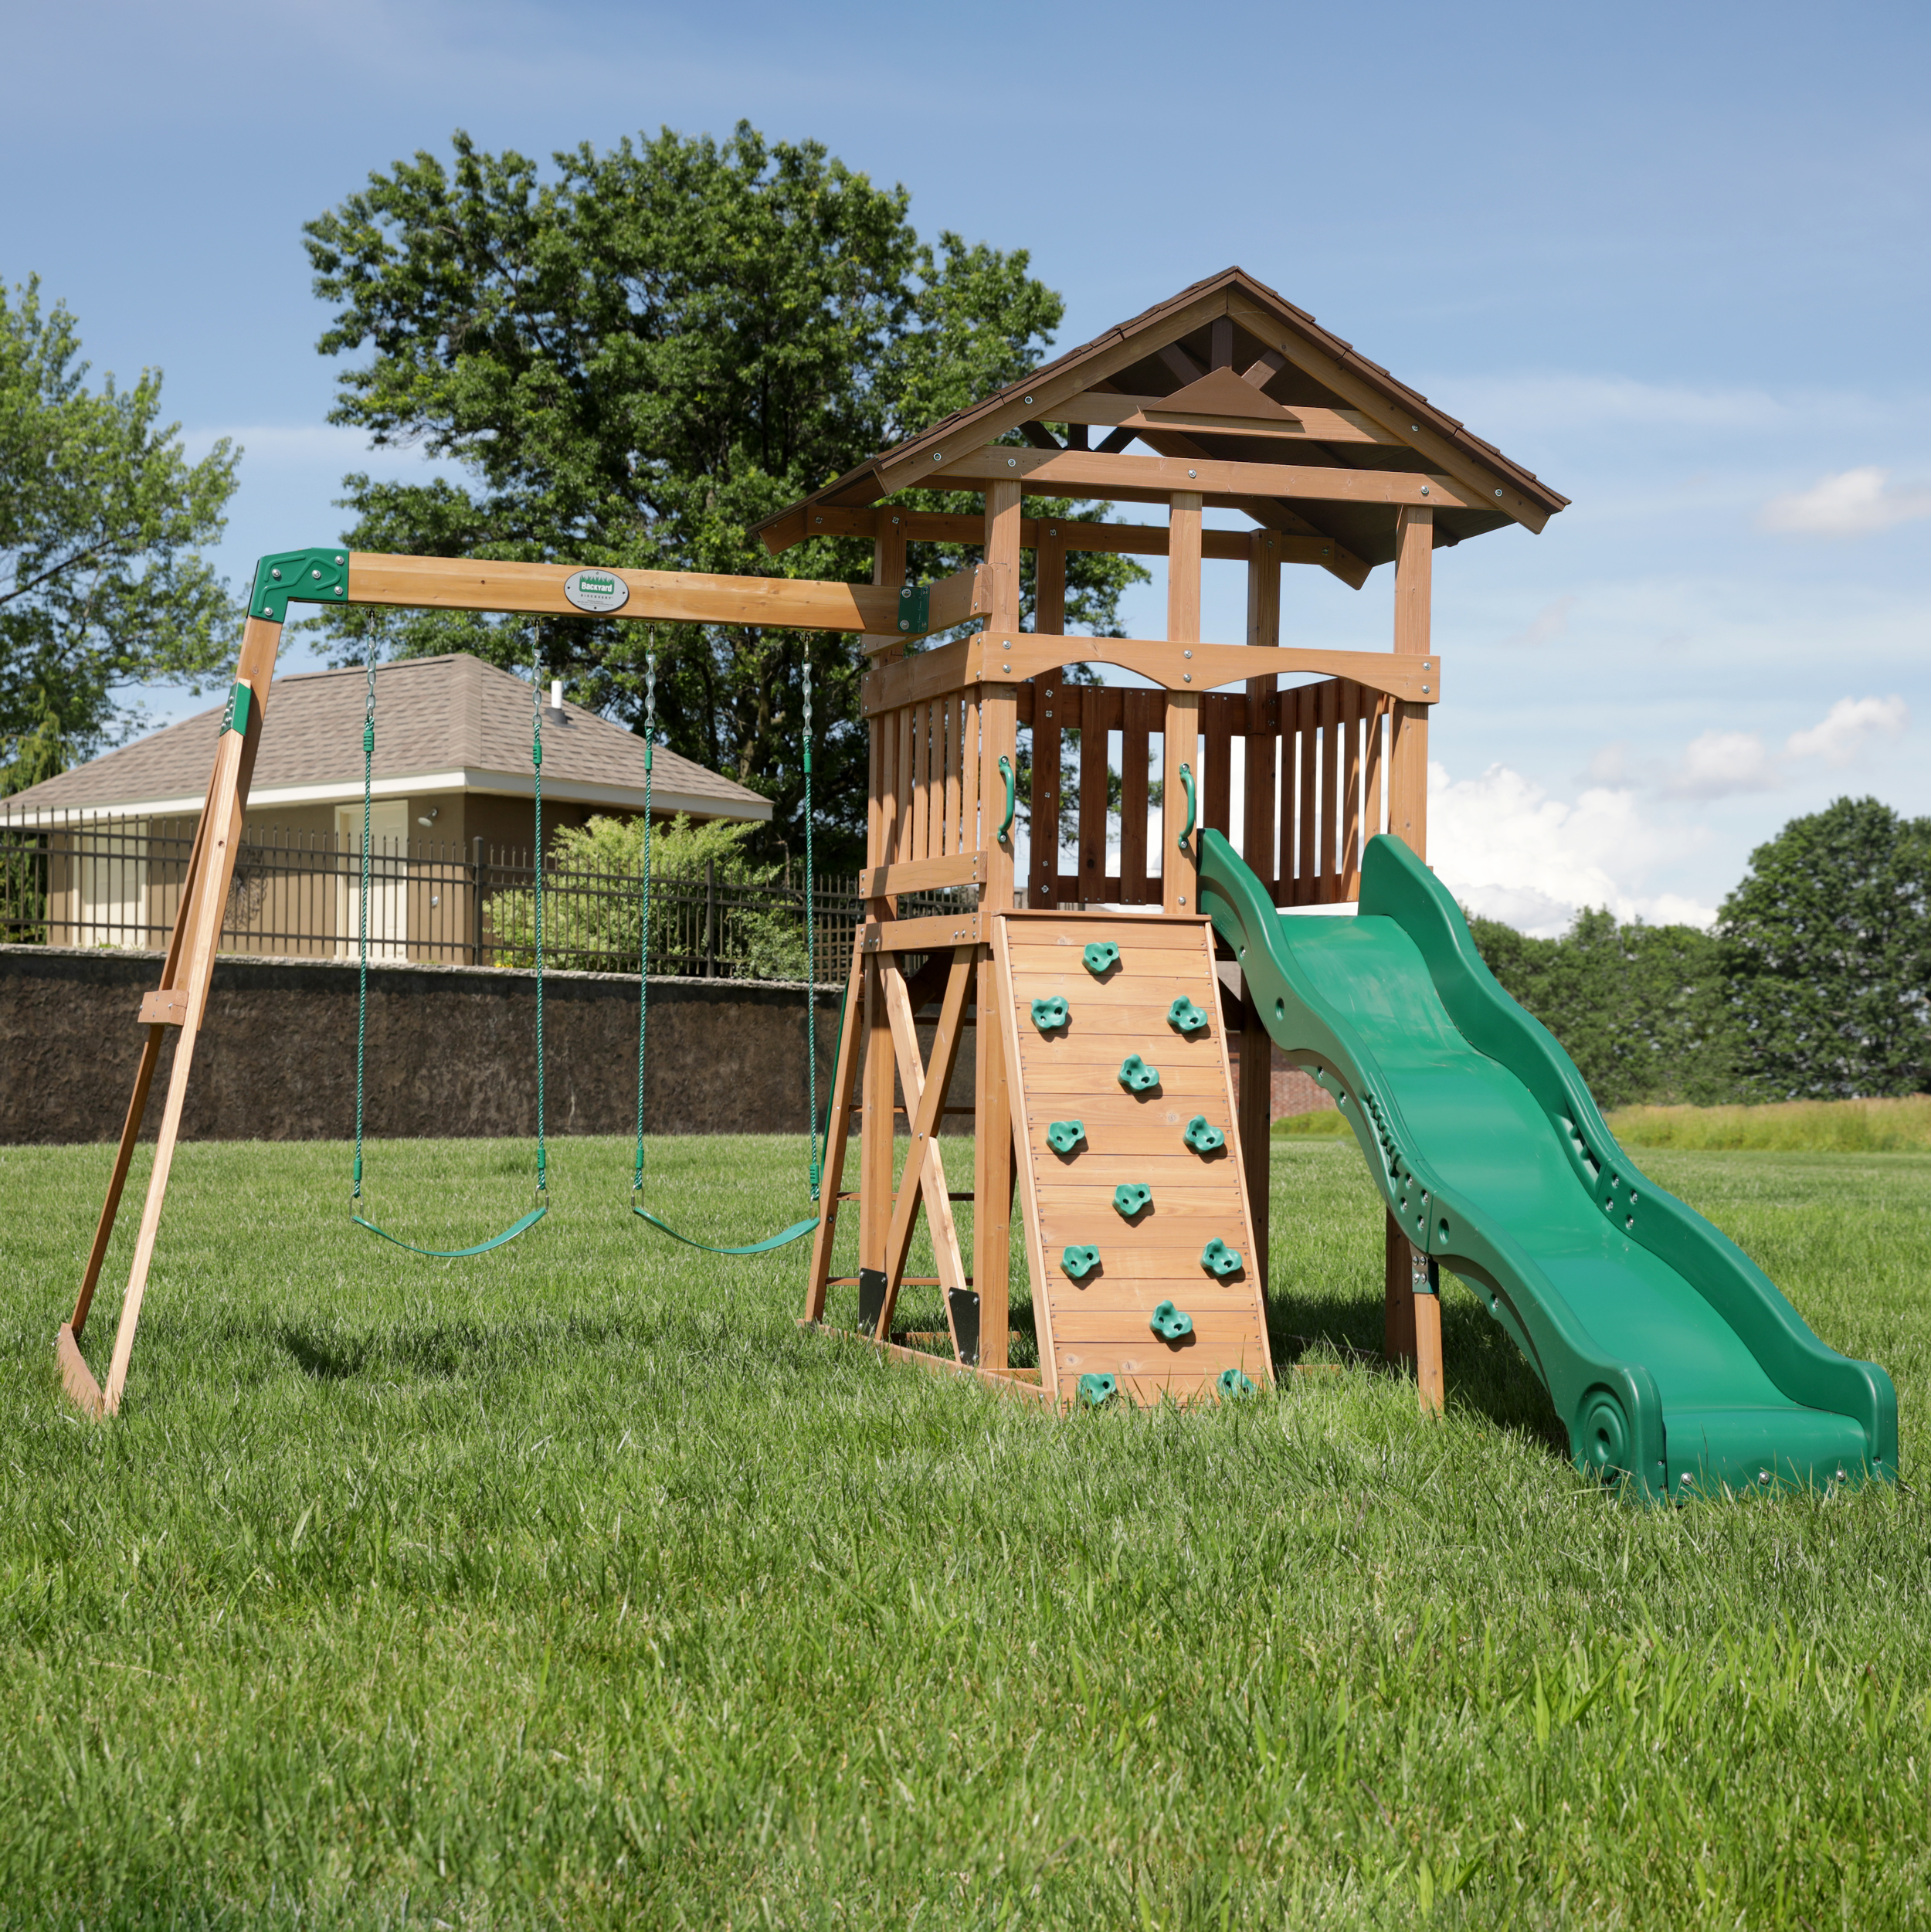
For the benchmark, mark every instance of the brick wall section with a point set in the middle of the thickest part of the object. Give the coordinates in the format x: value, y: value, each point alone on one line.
x: 450, y: 1051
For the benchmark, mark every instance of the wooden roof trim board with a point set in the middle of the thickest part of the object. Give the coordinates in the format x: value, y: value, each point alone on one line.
x: 1268, y: 316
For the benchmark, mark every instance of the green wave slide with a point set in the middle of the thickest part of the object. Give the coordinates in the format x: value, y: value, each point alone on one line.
x: 1674, y: 1363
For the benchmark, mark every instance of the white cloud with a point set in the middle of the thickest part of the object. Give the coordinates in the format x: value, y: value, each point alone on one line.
x: 1548, y: 625
x: 1850, y: 724
x: 1853, y: 503
x: 1509, y: 850
x: 1720, y: 764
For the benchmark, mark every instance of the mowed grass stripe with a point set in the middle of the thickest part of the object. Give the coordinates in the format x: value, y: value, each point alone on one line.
x: 574, y: 1584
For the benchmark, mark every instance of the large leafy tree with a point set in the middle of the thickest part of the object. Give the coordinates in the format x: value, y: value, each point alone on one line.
x: 1639, y: 1009
x: 630, y: 360
x: 102, y: 583
x: 1828, y: 945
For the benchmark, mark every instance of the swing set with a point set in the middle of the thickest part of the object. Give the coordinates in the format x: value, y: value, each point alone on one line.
x: 342, y: 577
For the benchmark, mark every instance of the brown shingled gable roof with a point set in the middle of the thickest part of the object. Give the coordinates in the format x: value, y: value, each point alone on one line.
x: 433, y: 715
x: 1321, y: 371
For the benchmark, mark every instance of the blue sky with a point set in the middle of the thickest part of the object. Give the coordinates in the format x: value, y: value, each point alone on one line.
x: 1673, y: 259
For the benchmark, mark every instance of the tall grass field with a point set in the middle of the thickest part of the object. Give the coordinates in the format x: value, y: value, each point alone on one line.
x: 576, y: 1586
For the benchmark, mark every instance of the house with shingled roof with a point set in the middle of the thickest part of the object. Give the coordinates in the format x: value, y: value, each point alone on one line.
x: 451, y: 787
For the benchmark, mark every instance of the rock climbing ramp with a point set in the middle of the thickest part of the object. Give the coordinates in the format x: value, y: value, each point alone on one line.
x: 1145, y: 1281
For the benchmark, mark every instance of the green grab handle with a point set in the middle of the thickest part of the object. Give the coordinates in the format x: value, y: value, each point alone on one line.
x: 1186, y: 1017
x: 1233, y: 1382
x: 1169, y: 1323
x: 1012, y: 795
x: 1132, y: 1198
x: 1100, y: 956
x: 1202, y: 1137
x: 1080, y: 1262
x: 1217, y: 1259
x: 1186, y: 782
x: 1063, y: 1136
x: 1136, y: 1076
x: 1048, y: 1014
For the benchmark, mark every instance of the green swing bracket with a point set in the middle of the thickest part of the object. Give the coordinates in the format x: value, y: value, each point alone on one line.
x: 915, y: 608
x: 299, y: 576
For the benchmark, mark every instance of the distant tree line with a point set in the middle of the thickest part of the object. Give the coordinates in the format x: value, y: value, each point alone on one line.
x: 1814, y: 983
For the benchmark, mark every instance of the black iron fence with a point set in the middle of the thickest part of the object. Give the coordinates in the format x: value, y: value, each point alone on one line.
x: 88, y: 880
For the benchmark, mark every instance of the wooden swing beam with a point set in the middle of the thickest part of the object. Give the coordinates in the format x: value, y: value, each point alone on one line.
x: 343, y: 576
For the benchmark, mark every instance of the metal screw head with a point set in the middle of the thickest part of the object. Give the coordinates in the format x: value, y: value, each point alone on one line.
x: 1414, y: 429
x: 1187, y: 654
x: 276, y: 573
x: 1424, y: 489
x: 939, y: 456
x: 1029, y: 398
x: 1424, y: 690
x: 1193, y: 473
x: 1188, y: 676
x: 1012, y: 463
x: 1498, y: 493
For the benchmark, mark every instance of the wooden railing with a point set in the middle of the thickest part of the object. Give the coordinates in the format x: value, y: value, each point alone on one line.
x: 1312, y: 788
x: 926, y: 765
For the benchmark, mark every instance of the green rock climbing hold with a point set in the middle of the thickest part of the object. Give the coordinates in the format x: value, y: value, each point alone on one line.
x: 1170, y: 1323
x: 1097, y: 1390
x: 1203, y: 1139
x: 1185, y: 1016
x: 1080, y: 1262
x: 1100, y: 956
x: 1049, y: 1014
x: 1136, y: 1076
x: 1063, y: 1136
x: 1131, y: 1196
x: 1233, y: 1382
x: 1217, y: 1259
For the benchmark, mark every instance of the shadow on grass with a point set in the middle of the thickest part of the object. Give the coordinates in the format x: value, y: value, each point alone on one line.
x: 1484, y: 1369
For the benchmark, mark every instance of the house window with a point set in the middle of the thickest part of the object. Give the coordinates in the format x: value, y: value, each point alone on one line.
x: 388, y: 880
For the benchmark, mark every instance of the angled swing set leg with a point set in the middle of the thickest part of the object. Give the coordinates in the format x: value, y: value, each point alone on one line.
x: 838, y: 1134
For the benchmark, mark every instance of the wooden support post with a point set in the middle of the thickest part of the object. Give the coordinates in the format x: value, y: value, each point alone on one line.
x: 1398, y: 1292
x: 192, y: 954
x: 1408, y: 773
x: 1179, y: 892
x: 992, y: 1140
x: 882, y: 836
x: 1258, y: 820
x: 844, y: 1079
x: 1049, y: 618
x: 1431, y: 1388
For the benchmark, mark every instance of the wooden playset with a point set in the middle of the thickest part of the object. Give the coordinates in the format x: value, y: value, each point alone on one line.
x: 1107, y: 1104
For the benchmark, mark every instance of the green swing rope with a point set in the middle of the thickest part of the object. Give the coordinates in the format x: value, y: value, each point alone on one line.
x: 797, y: 1229
x: 361, y: 992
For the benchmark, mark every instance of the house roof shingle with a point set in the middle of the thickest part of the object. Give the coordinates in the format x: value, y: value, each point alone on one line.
x: 453, y: 719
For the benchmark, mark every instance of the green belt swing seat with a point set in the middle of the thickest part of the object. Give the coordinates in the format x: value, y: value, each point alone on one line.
x: 524, y: 1223
x: 799, y: 1229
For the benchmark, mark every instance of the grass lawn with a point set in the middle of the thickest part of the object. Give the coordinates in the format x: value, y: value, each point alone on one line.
x: 575, y: 1585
